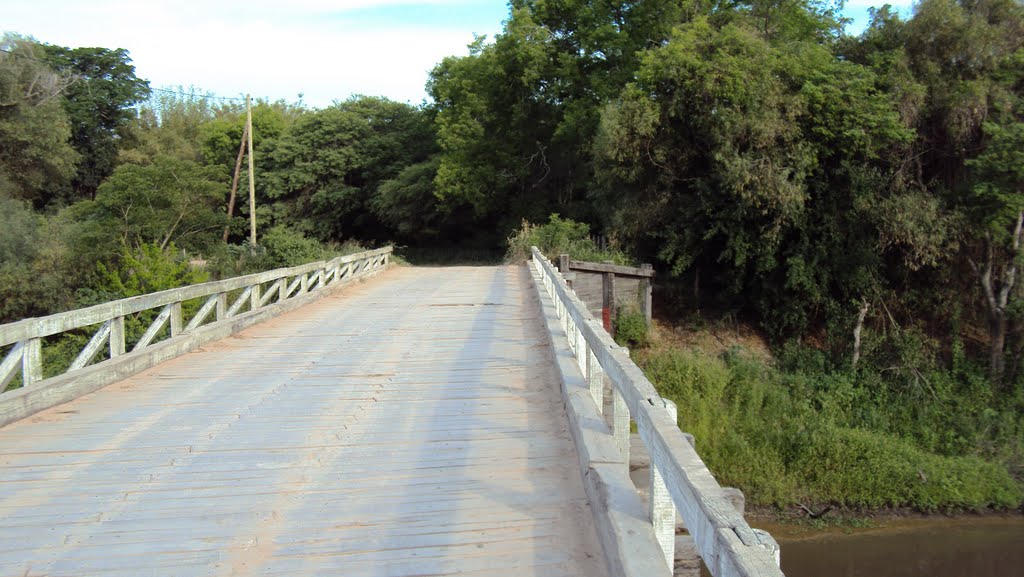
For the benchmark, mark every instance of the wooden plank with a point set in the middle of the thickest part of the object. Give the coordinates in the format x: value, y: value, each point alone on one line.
x: 269, y: 294
x: 339, y: 439
x: 610, y: 268
x: 646, y: 292
x: 629, y: 543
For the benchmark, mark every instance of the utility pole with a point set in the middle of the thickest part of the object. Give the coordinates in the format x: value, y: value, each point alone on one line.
x: 252, y: 181
x: 234, y: 181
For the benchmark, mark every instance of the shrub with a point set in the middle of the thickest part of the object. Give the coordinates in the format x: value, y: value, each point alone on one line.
x: 559, y: 236
x: 631, y: 328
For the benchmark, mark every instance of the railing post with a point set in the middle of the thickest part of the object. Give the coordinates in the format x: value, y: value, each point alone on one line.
x: 646, y: 290
x: 661, y: 508
x: 582, y: 350
x: 116, y: 342
x: 282, y: 287
x: 222, y: 306
x: 304, y: 285
x: 254, y: 297
x: 620, y: 423
x: 608, y: 302
x: 595, y: 378
x: 32, y: 362
x: 563, y: 267
x: 175, y: 320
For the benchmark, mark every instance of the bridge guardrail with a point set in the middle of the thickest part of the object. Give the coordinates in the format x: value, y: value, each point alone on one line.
x: 259, y: 292
x: 680, y: 481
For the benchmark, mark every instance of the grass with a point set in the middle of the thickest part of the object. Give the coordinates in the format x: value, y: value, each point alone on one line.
x: 788, y: 438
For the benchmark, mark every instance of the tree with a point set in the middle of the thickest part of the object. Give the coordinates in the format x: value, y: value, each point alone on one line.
x: 167, y: 201
x: 35, y: 158
x: 321, y: 175
x: 99, y: 106
x: 516, y: 118
x: 999, y: 202
x: 757, y: 164
x: 969, y: 56
x: 168, y: 124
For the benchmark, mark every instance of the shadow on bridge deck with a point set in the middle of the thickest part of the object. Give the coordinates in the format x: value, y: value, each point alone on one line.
x: 409, y: 425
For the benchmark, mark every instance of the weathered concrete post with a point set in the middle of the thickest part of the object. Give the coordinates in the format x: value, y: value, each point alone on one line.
x: 620, y: 422
x: 595, y: 377
x: 222, y: 306
x: 32, y: 362
x: 660, y: 506
x: 282, y: 290
x: 563, y: 267
x: 176, y: 320
x: 608, y: 301
x: 116, y: 337
x: 645, y: 292
x: 254, y: 297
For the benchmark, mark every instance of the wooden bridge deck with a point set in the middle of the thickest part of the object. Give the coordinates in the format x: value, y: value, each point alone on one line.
x: 408, y: 425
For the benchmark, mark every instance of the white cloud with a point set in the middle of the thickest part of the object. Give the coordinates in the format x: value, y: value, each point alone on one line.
x: 271, y: 49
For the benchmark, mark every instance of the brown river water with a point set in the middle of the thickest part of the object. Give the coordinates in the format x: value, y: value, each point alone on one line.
x: 955, y: 547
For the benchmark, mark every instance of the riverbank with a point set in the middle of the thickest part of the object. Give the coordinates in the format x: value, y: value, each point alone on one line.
x: 794, y: 523
x: 790, y: 432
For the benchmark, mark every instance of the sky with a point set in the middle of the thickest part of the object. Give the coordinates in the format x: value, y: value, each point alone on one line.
x: 324, y: 50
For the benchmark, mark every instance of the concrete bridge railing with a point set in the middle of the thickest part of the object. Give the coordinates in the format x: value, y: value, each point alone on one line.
x: 680, y: 481
x: 227, y: 306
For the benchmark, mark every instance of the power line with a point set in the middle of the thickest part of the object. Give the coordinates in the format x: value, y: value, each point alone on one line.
x: 198, y: 95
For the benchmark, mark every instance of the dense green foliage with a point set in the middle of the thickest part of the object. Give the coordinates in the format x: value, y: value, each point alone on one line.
x: 859, y: 199
x: 557, y: 237
x: 99, y: 106
x: 806, y: 436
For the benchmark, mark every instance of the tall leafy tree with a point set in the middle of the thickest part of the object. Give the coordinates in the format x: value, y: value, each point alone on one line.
x: 516, y: 117
x: 35, y: 158
x: 756, y: 163
x: 322, y: 173
x: 169, y: 201
x: 99, y: 105
x: 969, y: 57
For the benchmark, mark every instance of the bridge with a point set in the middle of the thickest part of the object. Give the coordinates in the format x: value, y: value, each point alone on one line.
x: 349, y: 417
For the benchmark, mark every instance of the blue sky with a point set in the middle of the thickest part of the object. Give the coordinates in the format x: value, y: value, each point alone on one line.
x: 278, y: 49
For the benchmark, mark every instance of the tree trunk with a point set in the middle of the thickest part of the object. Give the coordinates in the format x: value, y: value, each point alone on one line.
x: 997, y: 352
x: 856, y: 332
x: 234, y: 181
x: 997, y: 297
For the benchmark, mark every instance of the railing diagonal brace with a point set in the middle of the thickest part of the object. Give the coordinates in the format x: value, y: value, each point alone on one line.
x: 239, y: 302
x: 154, y: 329
x: 90, y: 351
x: 11, y: 363
x: 204, y: 311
